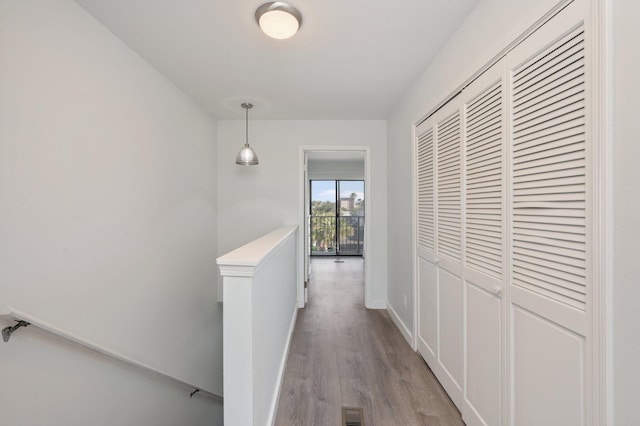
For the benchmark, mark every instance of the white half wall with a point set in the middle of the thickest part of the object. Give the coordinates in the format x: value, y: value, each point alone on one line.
x: 107, y: 227
x: 254, y: 200
x: 260, y: 313
x: 490, y: 27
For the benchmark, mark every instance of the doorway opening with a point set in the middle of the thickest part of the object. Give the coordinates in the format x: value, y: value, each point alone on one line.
x: 336, y: 222
x: 344, y: 175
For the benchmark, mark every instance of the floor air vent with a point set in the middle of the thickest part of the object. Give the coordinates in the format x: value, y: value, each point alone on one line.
x: 338, y: 261
x: 352, y: 416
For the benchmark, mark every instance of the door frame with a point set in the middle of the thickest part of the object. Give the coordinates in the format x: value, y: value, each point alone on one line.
x: 303, y: 188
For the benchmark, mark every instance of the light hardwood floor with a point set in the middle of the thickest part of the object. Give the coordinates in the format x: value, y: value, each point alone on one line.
x: 345, y: 355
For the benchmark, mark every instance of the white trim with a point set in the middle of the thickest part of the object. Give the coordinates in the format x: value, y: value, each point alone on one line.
x: 605, y: 274
x: 247, y: 260
x: 237, y: 271
x: 409, y: 337
x: 283, y: 364
x: 369, y: 201
x: 601, y: 318
x: 414, y: 238
x: 377, y: 304
x: 302, y: 150
x: 335, y: 176
x: 505, y: 350
x: 302, y: 218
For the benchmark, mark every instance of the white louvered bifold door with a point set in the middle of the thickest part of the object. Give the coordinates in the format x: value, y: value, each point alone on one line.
x: 484, y: 265
x: 549, y: 234
x: 449, y: 243
x: 427, y: 332
x: 504, y: 234
x: 439, y: 245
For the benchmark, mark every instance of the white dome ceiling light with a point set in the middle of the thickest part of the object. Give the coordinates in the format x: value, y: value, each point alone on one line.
x: 278, y: 19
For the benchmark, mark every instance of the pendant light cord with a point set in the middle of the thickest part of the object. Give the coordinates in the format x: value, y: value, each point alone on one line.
x: 246, y: 121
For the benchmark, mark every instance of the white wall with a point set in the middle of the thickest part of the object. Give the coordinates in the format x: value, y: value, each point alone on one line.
x: 335, y: 170
x: 486, y: 31
x: 253, y: 201
x: 626, y: 220
x: 57, y: 384
x: 107, y: 226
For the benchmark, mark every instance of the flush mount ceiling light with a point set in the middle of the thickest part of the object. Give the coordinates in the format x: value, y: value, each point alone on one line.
x: 247, y: 156
x: 278, y: 19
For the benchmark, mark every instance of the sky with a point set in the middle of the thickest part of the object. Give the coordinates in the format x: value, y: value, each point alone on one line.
x: 325, y: 190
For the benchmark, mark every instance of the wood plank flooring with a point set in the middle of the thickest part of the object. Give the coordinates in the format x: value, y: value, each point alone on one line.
x: 345, y: 355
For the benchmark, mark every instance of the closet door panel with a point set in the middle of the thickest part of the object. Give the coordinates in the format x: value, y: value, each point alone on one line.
x: 550, y: 196
x: 484, y: 254
x: 484, y: 354
x: 449, y: 245
x: 548, y: 371
x: 427, y: 291
x: 450, y: 311
x: 428, y: 306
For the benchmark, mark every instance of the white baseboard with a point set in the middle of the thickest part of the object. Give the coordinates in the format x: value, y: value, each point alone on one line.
x: 283, y: 364
x: 377, y: 304
x: 401, y: 325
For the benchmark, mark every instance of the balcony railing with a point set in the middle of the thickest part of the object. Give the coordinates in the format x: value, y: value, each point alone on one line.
x: 337, y: 235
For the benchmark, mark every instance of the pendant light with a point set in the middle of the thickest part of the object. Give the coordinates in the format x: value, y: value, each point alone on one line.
x: 247, y: 156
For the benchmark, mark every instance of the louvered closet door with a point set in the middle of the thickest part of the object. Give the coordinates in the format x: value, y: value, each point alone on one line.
x: 484, y: 254
x: 448, y: 150
x: 439, y: 246
x: 426, y: 250
x: 548, y: 296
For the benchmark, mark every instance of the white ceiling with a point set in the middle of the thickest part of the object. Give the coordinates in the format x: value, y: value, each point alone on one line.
x: 351, y: 59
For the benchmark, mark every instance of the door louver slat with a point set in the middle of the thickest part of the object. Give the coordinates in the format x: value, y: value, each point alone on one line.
x: 483, y: 185
x: 549, y: 174
x: 448, y: 205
